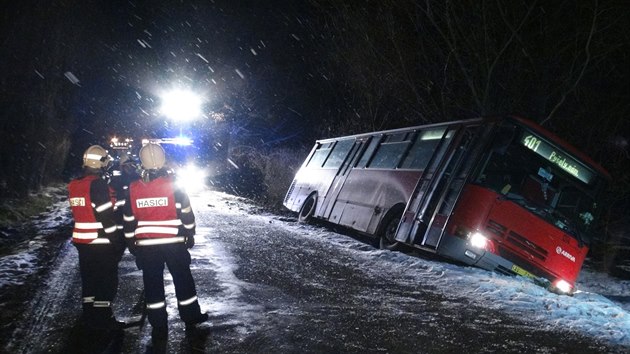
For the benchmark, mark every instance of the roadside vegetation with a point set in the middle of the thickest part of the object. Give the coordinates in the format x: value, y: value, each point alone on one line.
x: 14, y: 212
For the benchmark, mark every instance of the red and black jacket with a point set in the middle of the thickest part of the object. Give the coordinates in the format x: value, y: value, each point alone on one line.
x: 157, y: 212
x: 92, y: 208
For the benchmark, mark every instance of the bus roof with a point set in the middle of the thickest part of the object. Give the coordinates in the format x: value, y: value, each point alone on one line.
x: 472, y: 121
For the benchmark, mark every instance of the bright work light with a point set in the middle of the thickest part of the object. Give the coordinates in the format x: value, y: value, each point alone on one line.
x: 181, y: 105
x: 191, y: 178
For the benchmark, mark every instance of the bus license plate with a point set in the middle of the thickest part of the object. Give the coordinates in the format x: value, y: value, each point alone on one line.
x: 520, y: 271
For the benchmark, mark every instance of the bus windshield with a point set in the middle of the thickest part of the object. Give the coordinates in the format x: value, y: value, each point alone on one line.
x: 544, y: 179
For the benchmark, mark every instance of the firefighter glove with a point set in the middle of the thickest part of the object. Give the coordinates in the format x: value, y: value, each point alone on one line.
x: 190, y: 241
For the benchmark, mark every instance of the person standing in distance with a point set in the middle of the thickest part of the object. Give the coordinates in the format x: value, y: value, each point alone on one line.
x: 122, y: 175
x: 159, y: 227
x: 97, y: 238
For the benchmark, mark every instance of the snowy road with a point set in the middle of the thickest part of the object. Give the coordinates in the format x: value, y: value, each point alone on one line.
x: 273, y: 285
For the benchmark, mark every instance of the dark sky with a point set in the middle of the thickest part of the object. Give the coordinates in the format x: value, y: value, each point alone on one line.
x: 287, y: 72
x: 78, y: 72
x: 231, y: 54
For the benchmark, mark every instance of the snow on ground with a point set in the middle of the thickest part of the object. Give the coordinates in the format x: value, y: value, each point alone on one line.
x: 599, y: 309
x: 588, y: 311
x: 18, y: 265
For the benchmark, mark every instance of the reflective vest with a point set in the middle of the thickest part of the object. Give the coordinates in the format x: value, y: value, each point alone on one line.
x: 83, y: 211
x: 154, y: 208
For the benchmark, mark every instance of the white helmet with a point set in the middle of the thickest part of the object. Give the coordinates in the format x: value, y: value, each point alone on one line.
x: 96, y: 157
x: 152, y: 156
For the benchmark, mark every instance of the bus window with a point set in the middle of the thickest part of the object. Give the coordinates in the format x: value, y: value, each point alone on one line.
x: 581, y: 208
x: 390, y: 151
x: 374, y: 141
x: 423, y: 149
x: 542, y: 187
x: 320, y: 155
x: 338, y: 154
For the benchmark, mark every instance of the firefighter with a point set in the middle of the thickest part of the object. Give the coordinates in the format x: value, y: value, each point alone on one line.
x: 122, y: 175
x: 97, y: 238
x: 159, y: 227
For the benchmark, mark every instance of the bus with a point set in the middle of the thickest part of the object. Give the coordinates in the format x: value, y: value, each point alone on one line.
x: 499, y: 193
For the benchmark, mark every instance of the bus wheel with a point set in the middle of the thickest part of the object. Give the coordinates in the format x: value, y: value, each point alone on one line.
x: 387, y: 240
x: 308, y: 209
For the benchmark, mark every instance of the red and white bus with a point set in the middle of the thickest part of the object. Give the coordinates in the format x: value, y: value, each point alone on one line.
x: 503, y: 194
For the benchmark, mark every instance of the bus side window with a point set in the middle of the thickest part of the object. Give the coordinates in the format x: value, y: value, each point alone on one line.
x: 423, y: 149
x: 367, y: 154
x: 338, y: 154
x: 320, y: 155
x: 390, y: 151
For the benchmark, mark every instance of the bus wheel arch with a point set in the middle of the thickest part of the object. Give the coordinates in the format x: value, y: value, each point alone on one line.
x: 387, y: 228
x: 307, y: 210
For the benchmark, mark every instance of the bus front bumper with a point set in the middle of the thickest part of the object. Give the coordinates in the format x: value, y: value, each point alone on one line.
x: 461, y: 250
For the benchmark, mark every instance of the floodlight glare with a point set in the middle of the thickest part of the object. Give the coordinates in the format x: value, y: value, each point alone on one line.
x: 180, y: 105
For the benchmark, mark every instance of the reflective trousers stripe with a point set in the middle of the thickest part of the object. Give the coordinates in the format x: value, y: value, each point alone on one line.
x: 88, y: 299
x: 189, y: 301
x: 157, y: 305
x: 102, y: 304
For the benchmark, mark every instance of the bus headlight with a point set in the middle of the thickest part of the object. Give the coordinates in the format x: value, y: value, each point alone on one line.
x: 478, y: 240
x: 563, y: 286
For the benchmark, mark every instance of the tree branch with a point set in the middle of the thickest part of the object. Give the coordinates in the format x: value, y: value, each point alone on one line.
x: 587, y: 51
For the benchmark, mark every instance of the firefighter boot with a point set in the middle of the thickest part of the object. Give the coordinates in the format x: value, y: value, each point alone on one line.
x: 104, y: 319
x: 88, y: 315
x: 159, y: 335
x: 192, y: 324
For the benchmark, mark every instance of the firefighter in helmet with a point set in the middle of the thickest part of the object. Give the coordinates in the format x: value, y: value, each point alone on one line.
x: 124, y: 172
x: 99, y: 241
x: 159, y: 227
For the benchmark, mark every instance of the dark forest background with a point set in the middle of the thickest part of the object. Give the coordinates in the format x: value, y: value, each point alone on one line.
x: 278, y: 74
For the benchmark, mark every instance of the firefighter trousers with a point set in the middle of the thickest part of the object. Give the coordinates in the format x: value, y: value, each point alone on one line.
x: 151, y: 259
x: 98, y: 265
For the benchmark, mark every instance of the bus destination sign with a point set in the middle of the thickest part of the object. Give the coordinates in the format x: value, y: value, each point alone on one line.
x: 557, y: 157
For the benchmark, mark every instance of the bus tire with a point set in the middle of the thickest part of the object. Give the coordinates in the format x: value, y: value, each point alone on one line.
x: 387, y: 232
x: 308, y: 209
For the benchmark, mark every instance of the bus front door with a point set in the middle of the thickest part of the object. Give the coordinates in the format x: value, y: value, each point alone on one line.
x: 340, y: 178
x: 438, y: 189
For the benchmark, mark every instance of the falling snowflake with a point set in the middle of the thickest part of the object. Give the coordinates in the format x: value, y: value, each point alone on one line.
x: 70, y: 76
